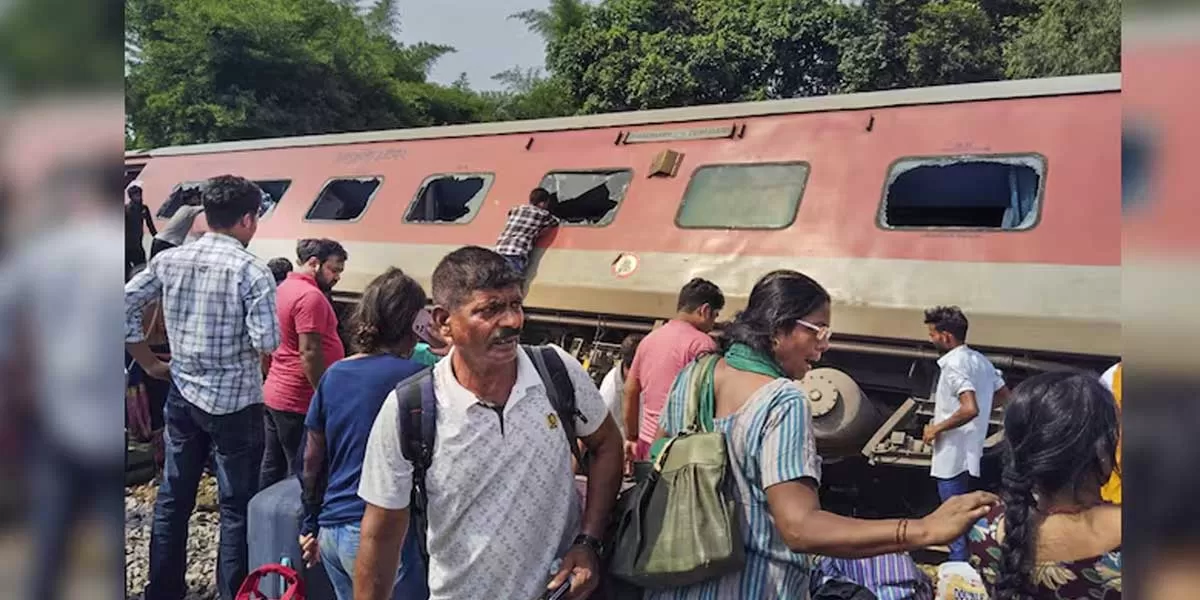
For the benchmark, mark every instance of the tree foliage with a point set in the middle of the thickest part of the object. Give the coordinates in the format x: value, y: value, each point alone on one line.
x: 207, y: 70
x: 1067, y: 37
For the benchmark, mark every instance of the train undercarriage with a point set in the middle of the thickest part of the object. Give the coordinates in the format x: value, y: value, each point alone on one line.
x: 870, y: 400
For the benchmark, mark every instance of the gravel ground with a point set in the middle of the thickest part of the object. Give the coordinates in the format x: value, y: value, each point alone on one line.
x: 202, y: 540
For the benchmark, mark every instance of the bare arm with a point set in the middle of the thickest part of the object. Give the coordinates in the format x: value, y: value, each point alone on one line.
x: 149, y: 220
x: 604, y: 476
x: 312, y: 358
x: 631, y: 408
x: 968, y: 409
x: 314, y: 479
x: 382, y: 533
x: 806, y: 528
x: 1002, y: 396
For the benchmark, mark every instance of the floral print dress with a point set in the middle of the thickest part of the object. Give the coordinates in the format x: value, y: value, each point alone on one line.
x: 1096, y: 578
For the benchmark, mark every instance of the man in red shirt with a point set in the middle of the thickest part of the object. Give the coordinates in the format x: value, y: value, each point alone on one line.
x: 308, y: 329
x: 661, y: 356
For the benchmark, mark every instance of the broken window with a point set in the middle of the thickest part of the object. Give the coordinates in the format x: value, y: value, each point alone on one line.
x: 587, y: 197
x: 991, y: 192
x: 452, y: 198
x: 758, y: 196
x: 176, y: 197
x: 272, y: 193
x: 343, y: 199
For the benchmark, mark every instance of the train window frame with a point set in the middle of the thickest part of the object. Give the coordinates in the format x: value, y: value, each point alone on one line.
x: 780, y: 163
x: 489, y: 181
x: 158, y: 213
x: 596, y: 170
x: 366, y: 207
x: 287, y: 186
x: 1038, y: 200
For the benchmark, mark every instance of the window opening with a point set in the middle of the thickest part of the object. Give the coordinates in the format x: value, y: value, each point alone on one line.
x: 343, y: 199
x: 451, y: 198
x: 273, y: 190
x: 587, y: 197
x: 175, y: 199
x: 976, y: 192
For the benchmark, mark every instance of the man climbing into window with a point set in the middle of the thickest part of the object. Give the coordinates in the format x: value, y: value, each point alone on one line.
x: 526, y: 223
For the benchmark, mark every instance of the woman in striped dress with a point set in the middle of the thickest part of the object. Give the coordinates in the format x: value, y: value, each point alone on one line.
x: 769, y: 434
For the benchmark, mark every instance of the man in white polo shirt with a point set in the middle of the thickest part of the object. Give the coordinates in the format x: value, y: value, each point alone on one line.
x: 502, y: 502
x: 966, y: 386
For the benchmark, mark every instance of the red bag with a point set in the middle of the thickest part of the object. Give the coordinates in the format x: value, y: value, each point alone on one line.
x: 291, y: 580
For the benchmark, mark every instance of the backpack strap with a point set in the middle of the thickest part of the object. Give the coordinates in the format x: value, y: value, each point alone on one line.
x: 418, y: 431
x: 561, y: 392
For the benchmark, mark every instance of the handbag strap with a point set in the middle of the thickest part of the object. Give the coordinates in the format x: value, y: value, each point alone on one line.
x: 700, y: 406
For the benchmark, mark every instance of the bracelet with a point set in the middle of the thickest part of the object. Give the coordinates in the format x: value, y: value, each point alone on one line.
x: 902, y: 532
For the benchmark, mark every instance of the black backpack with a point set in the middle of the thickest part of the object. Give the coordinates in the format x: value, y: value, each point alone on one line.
x: 418, y: 426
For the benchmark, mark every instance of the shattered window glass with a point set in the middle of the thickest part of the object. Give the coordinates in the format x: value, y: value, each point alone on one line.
x: 978, y: 192
x: 176, y: 198
x: 587, y: 197
x: 273, y: 191
x: 343, y: 199
x: 759, y: 196
x: 451, y: 198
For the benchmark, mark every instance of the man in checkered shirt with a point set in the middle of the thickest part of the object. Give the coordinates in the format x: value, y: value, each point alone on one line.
x: 219, y: 310
x: 525, y: 225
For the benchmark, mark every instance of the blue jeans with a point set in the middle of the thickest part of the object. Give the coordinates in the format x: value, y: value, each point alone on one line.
x: 68, y: 486
x: 948, y: 488
x: 191, y: 433
x: 339, y: 548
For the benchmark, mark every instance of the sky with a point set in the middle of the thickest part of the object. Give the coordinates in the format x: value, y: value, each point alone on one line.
x: 487, y: 41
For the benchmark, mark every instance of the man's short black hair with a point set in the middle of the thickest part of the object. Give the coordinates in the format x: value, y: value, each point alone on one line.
x: 228, y: 198
x: 948, y: 319
x: 539, y: 197
x: 697, y: 293
x: 280, y: 267
x: 467, y: 270
x: 322, y: 249
x: 629, y: 347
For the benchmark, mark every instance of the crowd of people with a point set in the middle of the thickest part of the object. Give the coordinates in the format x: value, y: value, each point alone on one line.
x: 439, y: 457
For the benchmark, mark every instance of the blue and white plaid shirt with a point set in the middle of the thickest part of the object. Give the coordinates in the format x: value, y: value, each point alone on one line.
x: 219, y: 309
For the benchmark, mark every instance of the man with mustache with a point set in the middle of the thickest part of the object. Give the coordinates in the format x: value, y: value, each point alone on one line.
x: 309, y: 344
x: 501, y: 499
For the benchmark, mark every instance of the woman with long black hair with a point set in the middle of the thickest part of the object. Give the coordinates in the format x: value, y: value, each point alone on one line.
x: 1054, y: 537
x: 768, y: 428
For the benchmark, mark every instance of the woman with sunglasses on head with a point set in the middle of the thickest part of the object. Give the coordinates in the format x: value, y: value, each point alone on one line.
x: 772, y: 451
x: 1055, y: 537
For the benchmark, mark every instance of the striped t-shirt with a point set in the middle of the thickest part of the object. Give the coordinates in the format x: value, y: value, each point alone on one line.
x: 770, y: 440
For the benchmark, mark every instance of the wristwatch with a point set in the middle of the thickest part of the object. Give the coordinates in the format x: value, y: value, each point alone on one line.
x: 586, y: 540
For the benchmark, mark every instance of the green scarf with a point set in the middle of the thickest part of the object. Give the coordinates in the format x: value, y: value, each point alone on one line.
x: 701, y: 383
x: 744, y: 358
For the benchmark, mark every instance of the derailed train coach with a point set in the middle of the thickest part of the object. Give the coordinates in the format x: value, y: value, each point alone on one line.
x: 1002, y: 198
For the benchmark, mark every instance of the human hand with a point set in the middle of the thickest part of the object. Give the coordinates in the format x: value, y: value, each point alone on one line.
x: 929, y: 435
x: 159, y: 370
x: 309, y: 550
x: 630, y: 451
x: 583, y: 566
x: 954, y: 517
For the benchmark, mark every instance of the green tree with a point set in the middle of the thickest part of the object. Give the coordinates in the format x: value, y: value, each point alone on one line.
x: 954, y: 42
x: 1067, y: 37
x: 211, y: 70
x: 556, y: 20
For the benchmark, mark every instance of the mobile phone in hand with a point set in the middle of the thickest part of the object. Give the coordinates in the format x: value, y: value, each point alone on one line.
x: 560, y: 593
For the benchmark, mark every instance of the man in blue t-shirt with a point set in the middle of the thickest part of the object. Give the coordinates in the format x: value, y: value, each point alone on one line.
x: 339, y: 422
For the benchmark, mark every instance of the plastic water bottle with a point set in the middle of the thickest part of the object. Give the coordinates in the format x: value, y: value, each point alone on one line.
x: 287, y: 562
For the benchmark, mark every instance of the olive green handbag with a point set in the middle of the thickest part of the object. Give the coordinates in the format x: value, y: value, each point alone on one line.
x: 680, y: 525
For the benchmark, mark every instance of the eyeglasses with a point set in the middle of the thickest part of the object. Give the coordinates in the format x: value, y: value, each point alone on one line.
x: 823, y: 332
